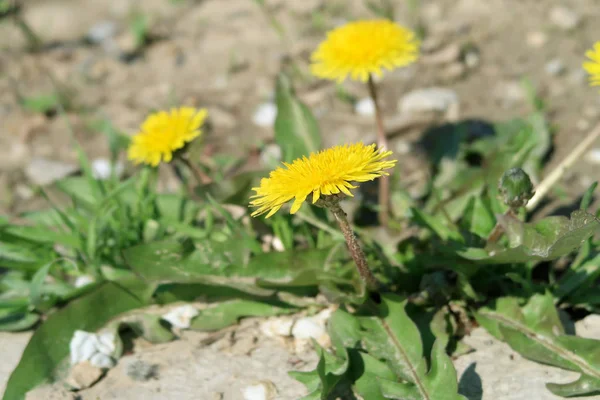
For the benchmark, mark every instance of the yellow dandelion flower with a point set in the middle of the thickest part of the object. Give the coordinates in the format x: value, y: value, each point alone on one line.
x: 327, y: 172
x: 163, y: 133
x: 593, y: 67
x: 364, y: 47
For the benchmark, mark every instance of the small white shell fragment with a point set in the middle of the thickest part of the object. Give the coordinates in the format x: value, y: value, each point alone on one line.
x: 103, y: 168
x: 181, y: 317
x: 279, y: 326
x: 83, y: 280
x: 265, y: 115
x: 365, y: 107
x: 307, y: 328
x: 264, y: 390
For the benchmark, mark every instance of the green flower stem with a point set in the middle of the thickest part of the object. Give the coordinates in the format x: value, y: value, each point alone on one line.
x: 384, y: 181
x: 354, y: 247
x: 498, y: 230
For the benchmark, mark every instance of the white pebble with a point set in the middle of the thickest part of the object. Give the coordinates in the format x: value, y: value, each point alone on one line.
x: 555, y: 67
x: 271, y: 155
x: 97, y: 349
x: 83, y: 280
x: 365, y: 107
x: 593, y: 156
x: 181, y: 317
x: 427, y: 100
x: 265, y: 115
x: 281, y: 326
x: 277, y: 244
x: 307, y: 328
x: 403, y: 147
x: 264, y: 390
x: 102, y: 169
x: 564, y: 18
x: 83, y: 346
x: 106, y: 343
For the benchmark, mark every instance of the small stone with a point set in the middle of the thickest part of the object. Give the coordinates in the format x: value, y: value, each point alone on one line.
x: 472, y: 59
x: 24, y: 192
x: 125, y: 43
x: 42, y: 171
x: 591, y: 112
x: 181, y: 317
x: 83, y: 280
x: 593, y: 156
x: 509, y: 93
x: 102, y: 31
x: 221, y: 118
x: 446, y: 55
x: 141, y: 371
x: 365, y: 107
x: 82, y: 346
x: 555, y: 67
x: 277, y: 244
x: 403, y: 147
x: 265, y: 115
x: 564, y: 18
x: 431, y: 44
x: 582, y: 124
x: 102, y: 169
x: 428, y: 100
x: 453, y: 72
x: 279, y: 326
x: 536, y: 39
x: 271, y: 155
x: 578, y: 77
x: 263, y: 390
x: 307, y: 328
x: 83, y: 375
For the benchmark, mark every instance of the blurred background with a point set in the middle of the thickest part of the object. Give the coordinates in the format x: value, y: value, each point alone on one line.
x: 100, y: 66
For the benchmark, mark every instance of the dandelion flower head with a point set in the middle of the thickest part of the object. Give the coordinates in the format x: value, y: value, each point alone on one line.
x: 361, y: 48
x: 593, y: 67
x: 327, y: 172
x: 163, y: 133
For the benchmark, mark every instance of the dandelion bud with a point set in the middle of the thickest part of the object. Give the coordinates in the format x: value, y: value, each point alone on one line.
x: 516, y: 188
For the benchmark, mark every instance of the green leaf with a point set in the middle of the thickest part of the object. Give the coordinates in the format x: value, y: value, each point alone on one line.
x: 147, y: 326
x: 17, y: 321
x: 187, y: 262
x: 393, y: 337
x: 296, y: 129
x: 368, y: 373
x: 439, y: 383
x: 547, y: 239
x: 344, y: 331
x: 43, y: 103
x: 535, y: 331
x: 322, y: 381
x: 49, y: 345
x: 228, y: 313
x: 478, y: 216
x: 588, y: 196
